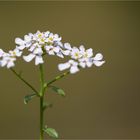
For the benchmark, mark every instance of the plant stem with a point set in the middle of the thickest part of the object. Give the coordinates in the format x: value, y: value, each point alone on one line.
x: 41, y: 118
x: 57, y: 78
x: 42, y: 90
x: 23, y: 80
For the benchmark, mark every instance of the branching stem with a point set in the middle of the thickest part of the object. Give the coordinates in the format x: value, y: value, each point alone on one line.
x: 23, y: 80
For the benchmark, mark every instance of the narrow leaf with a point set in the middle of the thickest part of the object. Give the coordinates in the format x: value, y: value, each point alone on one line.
x: 58, y: 90
x: 51, y: 132
x: 27, y: 98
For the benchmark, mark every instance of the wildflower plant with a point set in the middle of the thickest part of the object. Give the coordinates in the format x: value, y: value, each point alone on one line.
x: 35, y: 47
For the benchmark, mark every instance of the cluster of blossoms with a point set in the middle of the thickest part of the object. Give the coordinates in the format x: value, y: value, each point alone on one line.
x: 41, y: 43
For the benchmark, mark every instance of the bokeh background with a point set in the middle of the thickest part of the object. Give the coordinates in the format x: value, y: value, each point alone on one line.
x: 101, y: 103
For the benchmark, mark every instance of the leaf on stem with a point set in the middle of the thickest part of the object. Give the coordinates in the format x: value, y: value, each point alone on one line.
x: 58, y: 90
x: 27, y: 98
x: 51, y: 132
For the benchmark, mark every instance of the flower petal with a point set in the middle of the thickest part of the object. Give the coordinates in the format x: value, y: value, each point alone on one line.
x: 60, y: 54
x: 67, y: 46
x: 66, y: 52
x: 89, y: 52
x: 10, y: 64
x: 82, y: 64
x: 19, y: 41
x: 38, y: 51
x: 56, y: 49
x: 38, y: 60
x: 63, y: 66
x: 89, y: 64
x: 74, y: 69
x: 98, y: 63
x: 3, y: 63
x: 82, y: 48
x: 29, y: 57
x: 98, y: 56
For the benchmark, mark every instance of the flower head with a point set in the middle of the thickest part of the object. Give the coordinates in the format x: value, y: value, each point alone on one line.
x: 40, y: 43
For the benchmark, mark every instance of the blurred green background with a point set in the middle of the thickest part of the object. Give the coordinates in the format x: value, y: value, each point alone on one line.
x: 101, y: 102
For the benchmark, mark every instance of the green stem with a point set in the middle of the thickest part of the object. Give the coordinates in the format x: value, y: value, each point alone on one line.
x: 57, y: 78
x: 23, y: 80
x: 42, y: 90
x: 41, y: 118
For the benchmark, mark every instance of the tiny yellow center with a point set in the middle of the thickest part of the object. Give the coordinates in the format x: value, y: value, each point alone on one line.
x: 40, y: 35
x: 42, y: 40
x: 50, y: 38
x: 76, y: 54
x: 86, y: 55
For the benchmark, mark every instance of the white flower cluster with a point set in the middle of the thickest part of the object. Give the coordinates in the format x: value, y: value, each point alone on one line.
x: 41, y: 43
x: 80, y: 58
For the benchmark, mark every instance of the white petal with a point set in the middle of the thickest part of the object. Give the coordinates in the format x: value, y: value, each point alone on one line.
x: 98, y: 56
x: 51, y: 52
x: 38, y: 51
x: 27, y: 38
x: 48, y: 47
x: 89, y: 64
x: 89, y: 52
x: 98, y: 63
x: 82, y: 64
x: 19, y: 41
x: 29, y: 57
x: 72, y: 62
x: 17, y: 52
x: 1, y: 52
x: 10, y: 64
x: 3, y: 63
x: 66, y: 52
x: 63, y: 66
x: 82, y: 48
x: 47, y: 34
x: 60, y: 54
x: 75, y: 50
x: 21, y: 47
x: 38, y: 60
x: 32, y: 48
x: 74, y: 69
x: 67, y: 46
x: 56, y: 49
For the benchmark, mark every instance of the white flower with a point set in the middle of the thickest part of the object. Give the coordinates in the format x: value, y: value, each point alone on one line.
x: 37, y: 54
x: 20, y: 43
x: 97, y: 60
x: 73, y: 65
x: 51, y: 50
x: 75, y: 53
x: 86, y: 53
x: 67, y: 48
x: 8, y: 61
x: 15, y: 52
x: 83, y: 62
x: 52, y: 38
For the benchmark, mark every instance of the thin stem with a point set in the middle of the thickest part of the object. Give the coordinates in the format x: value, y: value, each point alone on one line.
x: 41, y: 118
x: 57, y: 78
x: 42, y: 90
x: 23, y: 80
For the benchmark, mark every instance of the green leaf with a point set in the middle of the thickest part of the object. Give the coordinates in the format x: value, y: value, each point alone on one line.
x: 51, y: 132
x: 46, y: 105
x: 27, y: 98
x: 58, y: 90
